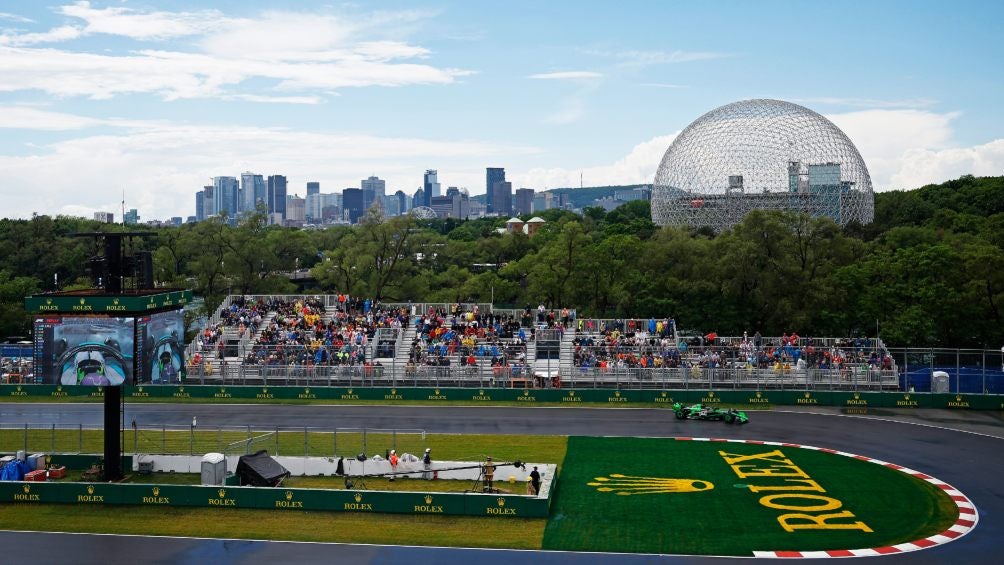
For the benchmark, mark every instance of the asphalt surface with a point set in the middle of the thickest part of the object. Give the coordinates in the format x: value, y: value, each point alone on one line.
x: 965, y: 449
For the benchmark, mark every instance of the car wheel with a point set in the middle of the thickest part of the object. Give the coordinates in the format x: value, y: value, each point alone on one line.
x: 680, y: 415
x: 729, y: 419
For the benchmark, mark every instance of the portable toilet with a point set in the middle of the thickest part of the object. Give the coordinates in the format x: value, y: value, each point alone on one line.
x: 214, y: 469
x: 939, y: 381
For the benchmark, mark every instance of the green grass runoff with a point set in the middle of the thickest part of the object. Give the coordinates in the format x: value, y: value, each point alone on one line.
x: 660, y: 516
x: 343, y: 527
x: 731, y: 519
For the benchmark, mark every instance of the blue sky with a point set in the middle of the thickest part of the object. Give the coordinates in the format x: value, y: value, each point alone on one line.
x: 154, y: 98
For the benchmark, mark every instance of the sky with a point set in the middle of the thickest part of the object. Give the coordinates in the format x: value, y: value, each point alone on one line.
x: 152, y: 99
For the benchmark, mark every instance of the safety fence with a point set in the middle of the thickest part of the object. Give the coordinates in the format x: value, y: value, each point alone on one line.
x: 546, y: 373
x: 229, y: 440
x: 764, y: 397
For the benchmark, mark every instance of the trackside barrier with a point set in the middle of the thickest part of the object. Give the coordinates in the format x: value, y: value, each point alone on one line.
x: 278, y: 499
x: 529, y: 396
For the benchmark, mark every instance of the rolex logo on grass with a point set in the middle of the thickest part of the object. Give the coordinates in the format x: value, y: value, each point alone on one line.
x: 626, y: 485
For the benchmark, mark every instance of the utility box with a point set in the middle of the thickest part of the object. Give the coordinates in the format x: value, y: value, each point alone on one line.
x: 939, y: 381
x: 214, y: 469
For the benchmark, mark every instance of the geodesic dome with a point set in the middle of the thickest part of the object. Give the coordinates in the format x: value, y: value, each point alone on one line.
x: 760, y: 154
x: 423, y: 213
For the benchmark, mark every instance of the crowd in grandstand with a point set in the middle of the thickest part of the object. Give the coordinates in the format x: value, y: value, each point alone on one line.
x: 617, y: 346
x: 470, y: 338
x: 300, y: 333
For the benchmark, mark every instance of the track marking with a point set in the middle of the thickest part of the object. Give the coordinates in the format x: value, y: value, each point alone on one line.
x: 967, y: 520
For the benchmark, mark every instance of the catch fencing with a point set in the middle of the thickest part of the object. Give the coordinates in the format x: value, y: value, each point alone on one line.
x: 287, y: 441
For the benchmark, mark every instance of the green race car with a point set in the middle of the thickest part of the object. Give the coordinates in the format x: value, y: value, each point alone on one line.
x: 705, y: 412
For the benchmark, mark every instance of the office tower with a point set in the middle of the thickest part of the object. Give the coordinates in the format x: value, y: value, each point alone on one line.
x: 430, y: 186
x: 331, y: 206
x: 501, y: 199
x: 352, y: 203
x: 253, y: 192
x: 492, y: 176
x: 200, y: 206
x: 373, y: 191
x: 314, y: 208
x: 105, y: 217
x: 131, y: 217
x: 402, y: 202
x: 524, y: 201
x: 208, y: 202
x: 418, y: 199
x: 295, y: 211
x: 276, y: 198
x: 313, y: 188
x: 225, y: 191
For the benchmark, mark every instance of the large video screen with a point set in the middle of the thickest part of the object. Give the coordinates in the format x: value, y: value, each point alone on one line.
x: 163, y: 357
x: 80, y: 350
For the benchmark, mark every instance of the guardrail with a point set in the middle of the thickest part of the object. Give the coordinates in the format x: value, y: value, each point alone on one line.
x: 764, y: 397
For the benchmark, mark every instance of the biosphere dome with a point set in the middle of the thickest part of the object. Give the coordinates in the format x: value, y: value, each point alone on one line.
x: 760, y: 155
x: 423, y: 213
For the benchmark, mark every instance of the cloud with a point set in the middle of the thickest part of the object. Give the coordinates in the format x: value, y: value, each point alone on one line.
x: 884, y: 137
x: 62, y: 33
x: 25, y: 117
x: 162, y: 165
x: 134, y: 24
x: 309, y: 54
x: 872, y: 103
x: 275, y: 99
x: 637, y: 58
x: 175, y: 75
x: 15, y: 18
x: 567, y: 75
x: 919, y: 167
x: 637, y: 167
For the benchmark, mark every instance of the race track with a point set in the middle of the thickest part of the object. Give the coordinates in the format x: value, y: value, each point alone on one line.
x: 965, y: 449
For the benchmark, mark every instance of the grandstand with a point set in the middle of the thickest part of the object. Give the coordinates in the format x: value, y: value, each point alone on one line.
x: 338, y: 340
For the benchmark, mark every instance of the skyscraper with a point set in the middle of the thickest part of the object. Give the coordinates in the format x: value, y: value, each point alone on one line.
x: 352, y: 203
x: 492, y: 176
x: 131, y: 217
x: 501, y: 199
x: 524, y: 201
x: 374, y: 190
x: 402, y: 202
x: 225, y: 190
x: 313, y: 188
x: 430, y: 186
x: 208, y: 202
x: 255, y: 192
x: 200, y: 206
x: 277, y: 197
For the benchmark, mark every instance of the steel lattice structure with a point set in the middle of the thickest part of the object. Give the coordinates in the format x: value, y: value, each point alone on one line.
x: 760, y: 155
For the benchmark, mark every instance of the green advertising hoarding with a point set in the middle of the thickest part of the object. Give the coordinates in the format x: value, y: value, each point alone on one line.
x: 97, y: 304
x: 278, y: 499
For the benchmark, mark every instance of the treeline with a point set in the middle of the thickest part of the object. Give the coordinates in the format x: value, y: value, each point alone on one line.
x: 928, y: 272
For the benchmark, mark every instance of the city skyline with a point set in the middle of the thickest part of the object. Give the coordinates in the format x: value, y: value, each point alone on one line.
x: 158, y: 99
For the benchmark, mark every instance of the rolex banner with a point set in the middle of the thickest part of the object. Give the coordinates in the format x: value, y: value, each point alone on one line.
x: 278, y: 499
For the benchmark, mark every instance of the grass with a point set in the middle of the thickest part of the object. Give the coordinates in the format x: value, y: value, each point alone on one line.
x: 450, y: 531
x: 729, y: 518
